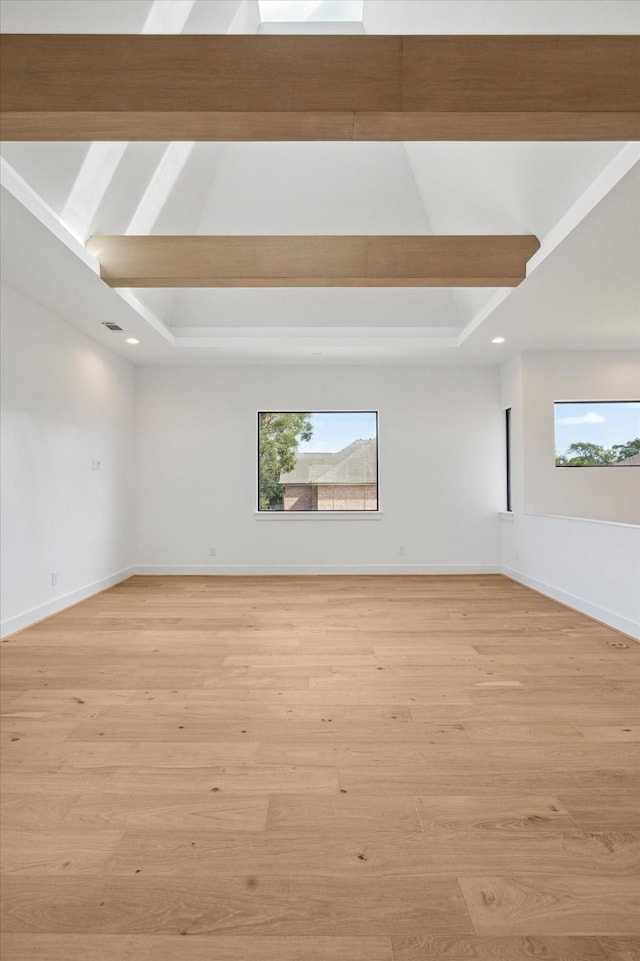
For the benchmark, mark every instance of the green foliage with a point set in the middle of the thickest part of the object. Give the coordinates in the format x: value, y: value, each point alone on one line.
x: 585, y: 454
x: 280, y: 437
x: 622, y: 451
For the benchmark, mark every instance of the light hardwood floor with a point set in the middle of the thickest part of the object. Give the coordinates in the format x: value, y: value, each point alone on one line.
x: 321, y: 769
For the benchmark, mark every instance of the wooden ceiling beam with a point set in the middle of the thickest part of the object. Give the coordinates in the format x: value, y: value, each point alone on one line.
x: 308, y: 261
x: 132, y: 87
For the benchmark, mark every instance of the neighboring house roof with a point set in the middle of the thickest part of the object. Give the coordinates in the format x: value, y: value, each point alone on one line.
x: 308, y: 467
x: 633, y: 461
x: 355, y: 464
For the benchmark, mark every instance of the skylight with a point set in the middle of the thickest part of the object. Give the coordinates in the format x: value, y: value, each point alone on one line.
x: 310, y: 11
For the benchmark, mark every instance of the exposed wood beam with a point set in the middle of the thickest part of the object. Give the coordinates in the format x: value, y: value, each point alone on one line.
x: 305, y: 261
x: 126, y: 87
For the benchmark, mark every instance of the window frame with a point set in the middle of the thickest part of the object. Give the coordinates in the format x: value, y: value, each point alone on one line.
x: 334, y: 514
x: 508, y: 450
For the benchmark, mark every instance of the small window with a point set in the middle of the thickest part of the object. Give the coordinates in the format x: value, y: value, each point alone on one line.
x: 318, y: 461
x: 597, y: 433
x: 507, y: 431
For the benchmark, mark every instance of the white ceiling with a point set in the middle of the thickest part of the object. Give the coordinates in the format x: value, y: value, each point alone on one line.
x: 379, y: 16
x: 554, y: 190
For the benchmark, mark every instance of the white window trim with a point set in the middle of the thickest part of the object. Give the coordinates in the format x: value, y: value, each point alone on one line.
x: 278, y: 516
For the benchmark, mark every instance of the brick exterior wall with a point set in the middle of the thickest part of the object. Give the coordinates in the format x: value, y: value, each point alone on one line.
x: 330, y: 497
x: 347, y: 497
x: 298, y: 497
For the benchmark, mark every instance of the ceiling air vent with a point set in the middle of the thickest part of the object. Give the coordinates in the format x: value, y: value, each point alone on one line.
x: 107, y: 323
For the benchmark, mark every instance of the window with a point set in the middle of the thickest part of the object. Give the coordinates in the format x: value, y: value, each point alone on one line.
x: 507, y: 426
x: 597, y: 433
x: 320, y: 461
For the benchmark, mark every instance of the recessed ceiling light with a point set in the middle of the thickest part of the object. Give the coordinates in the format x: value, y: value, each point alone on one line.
x: 132, y: 340
x: 498, y: 340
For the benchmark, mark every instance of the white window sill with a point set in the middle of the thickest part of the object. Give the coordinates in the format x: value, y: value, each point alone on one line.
x: 505, y: 515
x: 277, y: 516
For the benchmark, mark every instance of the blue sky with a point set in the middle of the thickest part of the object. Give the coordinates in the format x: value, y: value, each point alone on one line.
x: 333, y: 431
x: 605, y: 424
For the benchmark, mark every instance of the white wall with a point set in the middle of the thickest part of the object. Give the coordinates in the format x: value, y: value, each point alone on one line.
x: 592, y: 566
x: 573, y: 533
x: 66, y: 401
x: 441, y: 470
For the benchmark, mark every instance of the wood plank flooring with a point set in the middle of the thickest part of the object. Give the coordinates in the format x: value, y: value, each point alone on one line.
x: 320, y: 769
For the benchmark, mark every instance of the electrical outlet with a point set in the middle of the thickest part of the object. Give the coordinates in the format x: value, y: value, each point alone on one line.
x: 402, y: 550
x: 54, y: 578
x: 212, y: 552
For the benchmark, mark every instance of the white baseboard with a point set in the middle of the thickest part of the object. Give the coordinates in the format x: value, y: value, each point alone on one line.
x: 602, y: 614
x: 303, y: 569
x: 30, y: 617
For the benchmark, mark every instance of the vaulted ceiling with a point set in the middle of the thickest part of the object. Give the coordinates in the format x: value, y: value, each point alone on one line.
x: 392, y: 195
